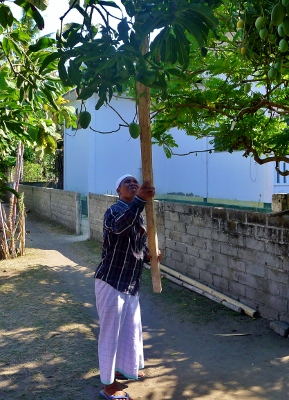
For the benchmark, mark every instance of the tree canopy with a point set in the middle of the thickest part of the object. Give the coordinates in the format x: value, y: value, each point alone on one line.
x: 31, y: 105
x: 212, y: 71
x: 216, y: 69
x: 232, y: 95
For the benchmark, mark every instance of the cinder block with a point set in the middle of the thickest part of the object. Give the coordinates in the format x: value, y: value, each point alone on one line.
x: 181, y: 247
x: 177, y: 256
x: 279, y: 202
x: 229, y: 250
x: 280, y: 327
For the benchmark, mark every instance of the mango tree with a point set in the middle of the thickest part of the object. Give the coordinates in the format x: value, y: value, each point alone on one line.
x: 105, y: 58
x: 32, y: 109
x: 237, y: 95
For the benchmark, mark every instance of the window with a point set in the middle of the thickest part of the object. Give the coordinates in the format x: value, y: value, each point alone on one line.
x: 279, y: 178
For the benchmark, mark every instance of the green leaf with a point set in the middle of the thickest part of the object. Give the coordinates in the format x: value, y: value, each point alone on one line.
x: 176, y: 72
x: 19, y: 81
x: 74, y: 73
x: 14, y: 47
x: 182, y: 46
x: 151, y: 25
x: 49, y: 97
x: 156, y: 45
x: 123, y: 29
x: 107, y: 64
x: 87, y: 92
x: 100, y: 103
x: 6, y: 45
x: 63, y: 73
x: 32, y: 12
x: 21, y: 94
x: 3, y: 82
x: 42, y: 43
x: 40, y: 4
x: 20, y: 36
x: 206, y: 13
x: 199, y: 33
x: 6, y: 16
x: 48, y: 60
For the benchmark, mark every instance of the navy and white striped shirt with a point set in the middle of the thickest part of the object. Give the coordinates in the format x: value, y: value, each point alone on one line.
x: 124, y: 246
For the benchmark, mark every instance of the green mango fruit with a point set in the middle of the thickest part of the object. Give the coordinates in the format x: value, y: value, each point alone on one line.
x: 272, y: 73
x: 280, y: 30
x: 84, y: 119
x: 240, y: 24
x: 272, y: 38
x: 260, y: 22
x: 285, y: 2
x: 134, y: 130
x: 247, y: 87
x: 243, y: 50
x: 263, y: 33
x: 278, y: 77
x: 278, y: 14
x: 283, y: 44
x: 285, y: 24
x: 278, y: 66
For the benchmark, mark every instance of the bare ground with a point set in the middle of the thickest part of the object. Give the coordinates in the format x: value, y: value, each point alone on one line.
x: 194, y: 348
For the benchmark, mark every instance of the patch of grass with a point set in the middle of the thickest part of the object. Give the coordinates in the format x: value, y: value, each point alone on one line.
x: 89, y: 250
x: 185, y: 304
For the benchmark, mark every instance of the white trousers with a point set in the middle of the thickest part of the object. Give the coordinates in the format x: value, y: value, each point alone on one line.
x: 120, y: 343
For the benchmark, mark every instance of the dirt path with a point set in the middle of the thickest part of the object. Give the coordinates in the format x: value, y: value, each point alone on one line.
x: 194, y: 348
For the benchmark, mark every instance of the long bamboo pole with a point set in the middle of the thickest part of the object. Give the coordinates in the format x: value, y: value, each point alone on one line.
x: 143, y: 93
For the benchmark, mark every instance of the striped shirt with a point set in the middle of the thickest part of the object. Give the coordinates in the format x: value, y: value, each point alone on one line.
x: 124, y: 246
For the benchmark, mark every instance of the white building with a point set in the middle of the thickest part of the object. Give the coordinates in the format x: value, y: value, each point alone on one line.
x: 93, y: 161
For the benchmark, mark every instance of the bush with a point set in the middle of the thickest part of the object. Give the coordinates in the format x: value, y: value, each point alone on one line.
x: 32, y: 172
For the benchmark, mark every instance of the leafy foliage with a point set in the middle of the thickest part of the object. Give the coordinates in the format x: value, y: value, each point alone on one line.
x: 104, y: 60
x: 208, y: 66
x: 32, y: 109
x: 229, y: 95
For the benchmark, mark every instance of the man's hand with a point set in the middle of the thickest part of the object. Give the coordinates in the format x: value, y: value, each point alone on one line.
x: 159, y: 258
x: 146, y: 191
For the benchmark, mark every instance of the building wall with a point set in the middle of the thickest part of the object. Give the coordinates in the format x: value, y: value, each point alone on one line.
x: 57, y: 205
x: 94, y: 161
x: 242, y: 254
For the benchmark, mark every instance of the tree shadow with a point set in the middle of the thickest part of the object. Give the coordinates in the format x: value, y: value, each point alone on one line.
x: 192, y: 351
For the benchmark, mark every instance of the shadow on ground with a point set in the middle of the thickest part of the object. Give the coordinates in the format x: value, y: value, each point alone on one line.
x: 194, y: 348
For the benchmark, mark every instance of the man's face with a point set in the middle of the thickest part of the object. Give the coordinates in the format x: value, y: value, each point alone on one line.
x: 128, y: 188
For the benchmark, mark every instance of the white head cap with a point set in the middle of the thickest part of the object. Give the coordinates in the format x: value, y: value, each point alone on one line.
x: 118, y: 182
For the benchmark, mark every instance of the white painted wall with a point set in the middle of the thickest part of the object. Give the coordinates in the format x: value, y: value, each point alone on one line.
x: 94, y: 161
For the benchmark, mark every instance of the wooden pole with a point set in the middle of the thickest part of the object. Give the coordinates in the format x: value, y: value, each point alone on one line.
x: 143, y: 93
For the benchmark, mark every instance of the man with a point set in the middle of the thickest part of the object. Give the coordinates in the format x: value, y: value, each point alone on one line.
x: 117, y: 280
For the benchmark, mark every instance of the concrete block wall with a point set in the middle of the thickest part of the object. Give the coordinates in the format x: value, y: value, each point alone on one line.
x: 239, y: 253
x: 57, y: 205
x: 98, y: 204
x: 242, y: 254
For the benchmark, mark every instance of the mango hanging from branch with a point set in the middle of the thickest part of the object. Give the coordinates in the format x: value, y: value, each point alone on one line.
x: 278, y: 14
x: 84, y: 119
x: 134, y: 130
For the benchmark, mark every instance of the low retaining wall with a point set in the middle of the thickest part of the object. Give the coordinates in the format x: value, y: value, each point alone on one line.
x: 58, y: 205
x: 242, y: 254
